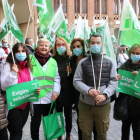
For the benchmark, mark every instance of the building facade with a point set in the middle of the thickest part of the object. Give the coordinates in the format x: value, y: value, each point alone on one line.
x: 97, y: 8
x: 22, y: 10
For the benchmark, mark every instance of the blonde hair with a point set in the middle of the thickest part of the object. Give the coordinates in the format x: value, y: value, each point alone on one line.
x: 43, y: 40
x: 67, y: 47
x: 135, y: 46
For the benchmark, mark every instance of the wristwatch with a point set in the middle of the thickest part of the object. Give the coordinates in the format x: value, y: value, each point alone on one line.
x: 105, y: 95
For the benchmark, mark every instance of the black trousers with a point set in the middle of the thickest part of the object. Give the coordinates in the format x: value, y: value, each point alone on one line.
x: 17, y: 119
x: 135, y: 121
x: 3, y: 134
x: 68, y: 116
x: 39, y: 111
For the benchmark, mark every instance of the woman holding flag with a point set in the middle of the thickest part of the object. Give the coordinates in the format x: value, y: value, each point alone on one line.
x: 61, y: 54
x: 17, y: 70
x: 132, y: 65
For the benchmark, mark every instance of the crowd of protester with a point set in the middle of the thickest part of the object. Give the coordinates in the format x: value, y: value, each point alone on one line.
x: 71, y: 79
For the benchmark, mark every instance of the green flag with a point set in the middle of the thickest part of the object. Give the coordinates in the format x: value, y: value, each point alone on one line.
x: 108, y: 46
x: 114, y: 40
x: 130, y: 26
x: 46, y: 13
x: 101, y: 29
x: 87, y: 35
x: 58, y: 25
x: 93, y: 28
x: 4, y: 30
x: 80, y: 29
x: 11, y: 22
x: 49, y: 35
x: 4, y: 27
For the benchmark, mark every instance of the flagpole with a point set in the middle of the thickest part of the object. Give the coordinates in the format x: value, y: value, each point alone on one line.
x: 28, y: 22
x: 34, y: 27
x: 118, y: 40
x: 102, y: 53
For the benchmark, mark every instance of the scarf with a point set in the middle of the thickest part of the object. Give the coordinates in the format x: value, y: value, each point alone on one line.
x: 5, y: 49
x: 42, y: 59
x: 23, y: 76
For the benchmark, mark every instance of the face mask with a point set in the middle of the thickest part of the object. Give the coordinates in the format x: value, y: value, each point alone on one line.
x: 5, y: 45
x: 135, y: 58
x: 61, y: 50
x: 21, y: 56
x: 78, y: 51
x: 96, y: 49
x: 32, y: 45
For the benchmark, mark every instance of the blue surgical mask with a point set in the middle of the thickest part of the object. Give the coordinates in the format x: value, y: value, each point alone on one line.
x: 96, y: 49
x: 5, y: 45
x: 78, y: 51
x: 135, y: 58
x: 61, y: 50
x: 21, y: 56
x: 32, y: 45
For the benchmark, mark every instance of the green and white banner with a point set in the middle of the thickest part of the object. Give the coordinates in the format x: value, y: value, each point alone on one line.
x: 58, y: 25
x: 11, y: 22
x: 80, y: 29
x: 21, y: 93
x: 93, y: 28
x: 46, y: 13
x: 125, y: 83
x: 136, y: 83
x: 130, y: 25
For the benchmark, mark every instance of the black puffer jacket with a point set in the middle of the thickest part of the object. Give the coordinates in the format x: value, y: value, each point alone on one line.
x: 134, y: 103
x: 75, y: 93
x: 65, y: 97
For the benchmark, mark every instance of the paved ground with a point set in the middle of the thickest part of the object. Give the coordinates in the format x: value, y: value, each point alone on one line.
x: 114, y: 132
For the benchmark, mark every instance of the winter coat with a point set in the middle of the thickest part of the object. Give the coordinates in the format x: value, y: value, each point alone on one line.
x: 134, y: 103
x: 65, y: 97
x: 83, y: 78
x: 3, y: 119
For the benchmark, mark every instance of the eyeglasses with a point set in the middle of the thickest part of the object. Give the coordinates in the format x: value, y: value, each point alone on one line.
x: 63, y: 44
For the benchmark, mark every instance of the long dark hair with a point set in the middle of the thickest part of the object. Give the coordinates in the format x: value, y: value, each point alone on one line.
x: 9, y: 59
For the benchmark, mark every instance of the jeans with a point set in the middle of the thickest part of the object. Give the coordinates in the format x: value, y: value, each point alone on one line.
x: 17, y: 119
x: 68, y: 116
x: 39, y: 111
x: 3, y: 134
x: 135, y: 121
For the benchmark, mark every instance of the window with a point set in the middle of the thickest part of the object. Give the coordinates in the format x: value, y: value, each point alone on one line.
x: 116, y: 7
x: 64, y: 2
x: 103, y: 3
x: 97, y: 6
x: 134, y: 5
x: 77, y: 6
x: 57, y: 4
x: 84, y: 6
